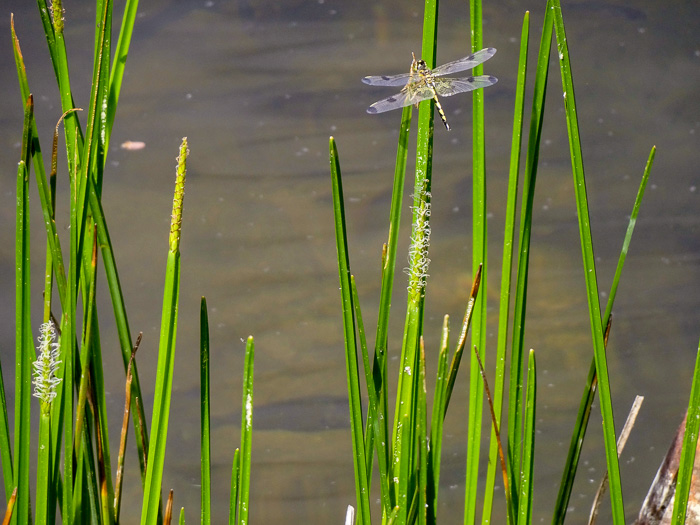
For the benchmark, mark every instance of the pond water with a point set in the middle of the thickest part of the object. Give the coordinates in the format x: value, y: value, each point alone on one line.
x: 258, y: 87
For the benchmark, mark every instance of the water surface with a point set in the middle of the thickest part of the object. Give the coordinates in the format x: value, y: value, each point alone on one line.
x: 257, y: 88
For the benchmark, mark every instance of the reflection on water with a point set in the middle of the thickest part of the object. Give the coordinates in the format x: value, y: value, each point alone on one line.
x: 258, y: 87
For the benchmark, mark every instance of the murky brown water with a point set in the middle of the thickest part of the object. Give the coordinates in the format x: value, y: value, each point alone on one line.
x: 258, y: 88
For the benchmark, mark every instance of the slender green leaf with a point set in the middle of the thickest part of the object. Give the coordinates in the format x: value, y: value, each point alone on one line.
x: 166, y: 353
x: 235, y: 483
x: 584, y: 411
x: 479, y: 258
x: 24, y: 348
x: 205, y: 399
x: 358, y: 442
x: 526, y: 477
x: 515, y: 390
x: 435, y: 451
x: 507, y: 266
x: 246, y: 433
x: 589, y: 268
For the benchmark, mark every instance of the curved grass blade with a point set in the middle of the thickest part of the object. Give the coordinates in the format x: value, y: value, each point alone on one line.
x: 24, y: 346
x: 584, y: 411
x: 379, y: 367
x: 606, y: 408
x: 515, y: 390
x: 507, y: 268
x: 436, y: 424
x: 358, y: 442
x: 526, y: 477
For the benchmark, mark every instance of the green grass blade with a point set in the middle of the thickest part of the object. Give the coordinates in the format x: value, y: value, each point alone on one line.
x: 690, y: 439
x: 43, y: 479
x: 571, y: 465
x: 374, y: 426
x: 122, y: 323
x: 118, y: 65
x: 246, y: 433
x: 235, y: 482
x: 5, y: 447
x: 205, y: 399
x: 24, y: 347
x: 515, y: 391
x: 404, y: 436
x: 57, y: 49
x: 589, y: 268
x: 358, y: 442
x: 379, y: 368
x: 526, y: 477
x: 479, y: 258
x: 166, y: 353
x: 423, y: 444
x: 435, y: 452
x: 507, y: 268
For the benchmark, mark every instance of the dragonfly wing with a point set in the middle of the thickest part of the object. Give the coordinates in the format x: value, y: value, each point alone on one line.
x: 387, y: 104
x: 387, y: 80
x: 465, y: 63
x: 412, y: 95
x: 451, y: 86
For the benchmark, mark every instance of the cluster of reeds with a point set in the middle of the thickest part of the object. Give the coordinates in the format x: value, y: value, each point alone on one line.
x: 75, y: 470
x: 408, y: 452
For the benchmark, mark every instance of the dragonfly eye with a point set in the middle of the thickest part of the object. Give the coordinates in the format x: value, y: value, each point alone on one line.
x: 421, y: 65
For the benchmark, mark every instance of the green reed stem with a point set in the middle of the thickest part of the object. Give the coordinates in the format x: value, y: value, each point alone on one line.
x: 205, y: 400
x: 358, y: 442
x: 589, y: 267
x: 584, y: 411
x: 526, y: 477
x: 479, y: 258
x: 507, y: 267
x: 166, y: 353
x: 246, y: 433
x: 515, y: 390
x: 24, y: 347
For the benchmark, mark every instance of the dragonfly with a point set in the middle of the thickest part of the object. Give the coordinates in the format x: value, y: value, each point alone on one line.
x: 422, y: 83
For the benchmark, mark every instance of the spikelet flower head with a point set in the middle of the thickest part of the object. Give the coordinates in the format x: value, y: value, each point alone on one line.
x: 46, y: 364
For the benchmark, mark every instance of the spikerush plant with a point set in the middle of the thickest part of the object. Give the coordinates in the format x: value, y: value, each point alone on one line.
x: 74, y: 460
x: 409, y: 463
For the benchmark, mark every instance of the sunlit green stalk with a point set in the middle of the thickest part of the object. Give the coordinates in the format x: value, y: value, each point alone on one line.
x: 479, y: 258
x: 358, y: 441
x: 24, y: 348
x: 205, y: 440
x: 589, y: 266
x: 246, y: 433
x: 507, y: 267
x: 166, y: 352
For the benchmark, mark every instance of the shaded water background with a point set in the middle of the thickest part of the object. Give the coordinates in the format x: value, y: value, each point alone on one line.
x: 258, y: 87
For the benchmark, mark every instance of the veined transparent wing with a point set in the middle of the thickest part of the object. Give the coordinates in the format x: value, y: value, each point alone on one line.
x: 462, y: 64
x: 447, y: 87
x: 388, y: 80
x: 411, y: 95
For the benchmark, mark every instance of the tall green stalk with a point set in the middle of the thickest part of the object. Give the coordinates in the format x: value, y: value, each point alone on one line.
x: 166, y: 352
